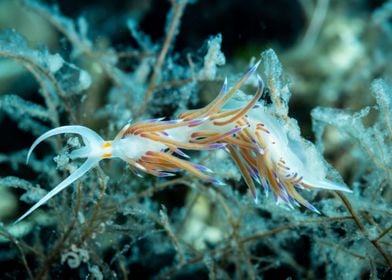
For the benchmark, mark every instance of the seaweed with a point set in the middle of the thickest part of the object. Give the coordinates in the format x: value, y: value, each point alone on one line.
x: 112, y: 224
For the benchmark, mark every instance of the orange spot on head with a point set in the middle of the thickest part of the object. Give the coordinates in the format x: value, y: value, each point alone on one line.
x: 106, y: 145
x: 106, y: 155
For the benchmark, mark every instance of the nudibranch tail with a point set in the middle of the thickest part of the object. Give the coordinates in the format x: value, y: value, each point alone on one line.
x: 325, y: 184
x: 92, y: 150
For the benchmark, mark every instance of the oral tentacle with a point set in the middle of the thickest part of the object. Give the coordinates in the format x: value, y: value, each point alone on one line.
x: 85, y: 167
x: 89, y: 136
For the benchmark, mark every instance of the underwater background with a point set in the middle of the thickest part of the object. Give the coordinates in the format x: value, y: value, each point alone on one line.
x: 103, y: 63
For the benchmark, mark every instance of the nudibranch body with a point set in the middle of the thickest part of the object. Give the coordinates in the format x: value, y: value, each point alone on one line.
x: 255, y: 138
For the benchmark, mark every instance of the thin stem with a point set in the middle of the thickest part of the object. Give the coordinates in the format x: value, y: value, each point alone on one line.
x: 60, y: 244
x: 360, y: 225
x: 20, y: 250
x: 91, y: 222
x: 227, y: 248
x: 318, y: 18
x: 383, y: 233
x: 177, y: 10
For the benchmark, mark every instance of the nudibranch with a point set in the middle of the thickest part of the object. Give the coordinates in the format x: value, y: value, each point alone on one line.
x: 254, y: 137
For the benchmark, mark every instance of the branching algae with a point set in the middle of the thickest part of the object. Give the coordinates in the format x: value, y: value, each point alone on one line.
x: 201, y: 156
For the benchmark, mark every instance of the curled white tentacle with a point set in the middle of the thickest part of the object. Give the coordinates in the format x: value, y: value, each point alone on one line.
x: 90, y: 138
